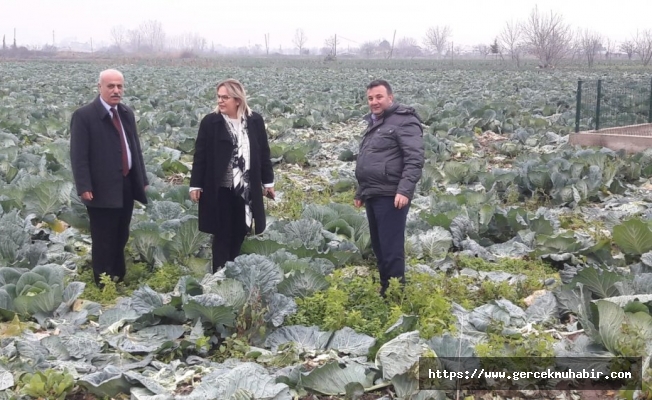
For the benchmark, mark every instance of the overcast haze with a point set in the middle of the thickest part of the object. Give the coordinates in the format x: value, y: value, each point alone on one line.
x: 243, y: 23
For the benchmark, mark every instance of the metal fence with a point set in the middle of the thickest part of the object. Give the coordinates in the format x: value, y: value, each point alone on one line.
x: 604, y: 104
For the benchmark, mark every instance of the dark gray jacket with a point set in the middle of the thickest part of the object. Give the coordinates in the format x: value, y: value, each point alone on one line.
x: 391, y: 154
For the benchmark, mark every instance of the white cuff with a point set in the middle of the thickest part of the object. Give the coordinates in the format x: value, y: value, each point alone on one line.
x: 268, y: 185
x: 192, y: 189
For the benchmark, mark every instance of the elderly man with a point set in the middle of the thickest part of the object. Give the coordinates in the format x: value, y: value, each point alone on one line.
x: 389, y: 165
x: 109, y: 172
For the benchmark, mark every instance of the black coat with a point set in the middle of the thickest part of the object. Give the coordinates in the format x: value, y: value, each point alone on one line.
x: 96, y: 155
x: 213, y: 152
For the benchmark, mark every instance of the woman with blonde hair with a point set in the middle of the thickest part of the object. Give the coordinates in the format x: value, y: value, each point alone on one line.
x: 231, y: 172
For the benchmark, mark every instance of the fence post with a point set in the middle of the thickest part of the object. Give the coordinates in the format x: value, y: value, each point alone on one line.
x: 597, y: 106
x: 649, y: 113
x: 578, y: 107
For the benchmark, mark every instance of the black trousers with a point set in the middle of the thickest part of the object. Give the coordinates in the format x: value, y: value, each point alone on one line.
x: 232, y: 227
x: 387, y: 229
x: 110, y: 233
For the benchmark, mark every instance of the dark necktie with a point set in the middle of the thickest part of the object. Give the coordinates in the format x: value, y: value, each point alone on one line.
x: 123, y: 143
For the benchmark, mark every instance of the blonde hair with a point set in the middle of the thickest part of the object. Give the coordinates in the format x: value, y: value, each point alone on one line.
x: 235, y: 89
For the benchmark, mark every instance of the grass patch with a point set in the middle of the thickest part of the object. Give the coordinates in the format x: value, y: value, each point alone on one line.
x: 531, y: 268
x: 354, y: 301
x: 295, y: 196
x: 109, y: 293
x: 165, y: 278
x: 576, y: 222
x: 290, y: 205
x: 536, y: 273
x: 498, y: 345
x: 162, y: 279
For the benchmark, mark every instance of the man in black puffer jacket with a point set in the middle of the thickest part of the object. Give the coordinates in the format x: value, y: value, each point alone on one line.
x: 388, y: 168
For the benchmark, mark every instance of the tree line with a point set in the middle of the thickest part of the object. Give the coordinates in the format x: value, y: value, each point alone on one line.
x: 544, y: 36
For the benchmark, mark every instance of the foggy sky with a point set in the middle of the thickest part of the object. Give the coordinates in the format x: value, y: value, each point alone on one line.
x: 245, y: 22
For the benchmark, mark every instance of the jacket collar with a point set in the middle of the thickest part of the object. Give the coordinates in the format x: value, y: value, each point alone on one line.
x: 390, y: 110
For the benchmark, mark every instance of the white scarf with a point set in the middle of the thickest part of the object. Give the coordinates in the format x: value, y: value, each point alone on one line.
x: 241, y: 162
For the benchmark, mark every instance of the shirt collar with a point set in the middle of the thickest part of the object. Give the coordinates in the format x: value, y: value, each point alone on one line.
x: 106, y: 105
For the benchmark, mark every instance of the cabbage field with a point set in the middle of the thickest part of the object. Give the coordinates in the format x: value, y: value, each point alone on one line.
x: 518, y: 244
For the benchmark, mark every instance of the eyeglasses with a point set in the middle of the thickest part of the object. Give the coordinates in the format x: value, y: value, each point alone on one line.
x: 223, y: 98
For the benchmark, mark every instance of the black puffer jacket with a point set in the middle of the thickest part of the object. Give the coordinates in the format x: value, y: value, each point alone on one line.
x: 391, y: 154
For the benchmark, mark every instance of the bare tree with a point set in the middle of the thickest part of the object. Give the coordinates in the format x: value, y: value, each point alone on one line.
x: 610, y: 47
x: 588, y: 44
x: 331, y: 44
x: 135, y: 39
x: 197, y: 42
x: 153, y: 35
x: 482, y: 49
x: 188, y: 42
x: 300, y: 40
x: 118, y: 35
x: 437, y: 38
x: 511, y: 39
x: 408, y: 47
x: 628, y: 47
x: 643, y: 46
x: 574, y: 51
x: 176, y: 42
x: 548, y: 35
x: 368, y: 49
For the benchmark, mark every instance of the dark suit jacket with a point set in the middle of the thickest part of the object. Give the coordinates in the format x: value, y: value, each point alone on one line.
x: 213, y: 151
x: 96, y: 155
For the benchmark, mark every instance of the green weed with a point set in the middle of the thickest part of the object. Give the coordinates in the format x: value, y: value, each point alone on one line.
x: 355, y: 302
x: 48, y: 384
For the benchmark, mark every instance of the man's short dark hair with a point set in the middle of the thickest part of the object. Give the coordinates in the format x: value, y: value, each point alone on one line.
x: 380, y: 82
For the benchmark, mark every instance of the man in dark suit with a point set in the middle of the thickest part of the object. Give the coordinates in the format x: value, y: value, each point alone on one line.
x: 109, y: 172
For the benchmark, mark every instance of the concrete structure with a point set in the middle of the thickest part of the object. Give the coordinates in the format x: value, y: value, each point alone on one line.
x: 632, y: 138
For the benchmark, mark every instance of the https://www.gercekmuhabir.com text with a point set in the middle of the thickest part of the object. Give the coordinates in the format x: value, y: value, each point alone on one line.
x: 517, y: 375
